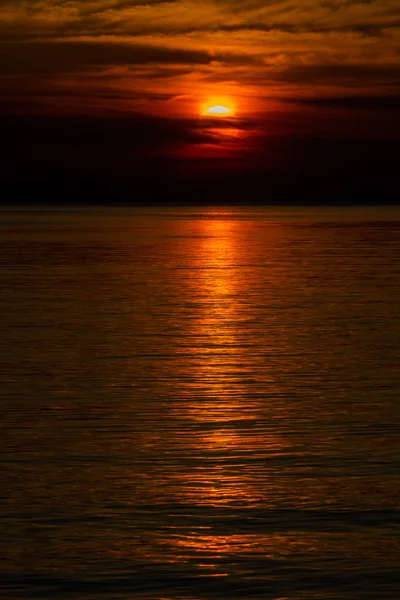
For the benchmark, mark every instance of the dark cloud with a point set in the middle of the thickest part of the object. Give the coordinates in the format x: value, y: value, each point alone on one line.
x: 87, y: 25
x: 64, y: 57
x: 369, y: 103
x: 130, y: 141
x: 81, y: 5
x: 129, y: 159
x: 121, y: 4
x: 366, y: 29
x: 34, y: 93
x: 345, y: 74
x: 138, y: 131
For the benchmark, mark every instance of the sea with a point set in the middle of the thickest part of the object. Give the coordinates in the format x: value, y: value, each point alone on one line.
x: 200, y: 403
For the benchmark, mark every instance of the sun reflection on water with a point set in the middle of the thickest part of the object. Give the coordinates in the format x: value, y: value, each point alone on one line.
x: 221, y: 407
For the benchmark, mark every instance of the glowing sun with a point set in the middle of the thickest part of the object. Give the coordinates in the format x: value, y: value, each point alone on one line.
x: 218, y: 107
x: 217, y: 111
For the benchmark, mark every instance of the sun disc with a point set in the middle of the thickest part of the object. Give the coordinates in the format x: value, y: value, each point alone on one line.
x: 217, y: 111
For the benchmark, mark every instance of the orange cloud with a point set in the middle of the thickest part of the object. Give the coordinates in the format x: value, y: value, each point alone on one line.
x: 276, y: 49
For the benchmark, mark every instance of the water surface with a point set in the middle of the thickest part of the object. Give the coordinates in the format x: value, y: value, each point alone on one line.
x: 200, y: 404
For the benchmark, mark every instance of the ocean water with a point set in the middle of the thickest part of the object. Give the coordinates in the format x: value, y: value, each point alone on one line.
x: 200, y: 404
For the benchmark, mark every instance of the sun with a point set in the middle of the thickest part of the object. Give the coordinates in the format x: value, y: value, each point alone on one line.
x: 217, y: 111
x: 217, y: 107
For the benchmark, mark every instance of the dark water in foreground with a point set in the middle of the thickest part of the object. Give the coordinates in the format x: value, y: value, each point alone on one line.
x: 200, y: 404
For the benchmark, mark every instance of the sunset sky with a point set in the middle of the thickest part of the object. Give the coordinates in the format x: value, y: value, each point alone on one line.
x: 118, y: 84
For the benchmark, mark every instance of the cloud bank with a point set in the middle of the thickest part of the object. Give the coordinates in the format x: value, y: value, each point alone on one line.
x: 252, y: 49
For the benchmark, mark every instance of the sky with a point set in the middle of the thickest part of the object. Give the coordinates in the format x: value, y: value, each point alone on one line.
x: 121, y: 87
